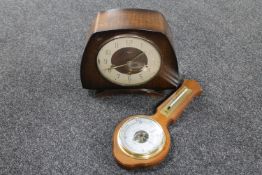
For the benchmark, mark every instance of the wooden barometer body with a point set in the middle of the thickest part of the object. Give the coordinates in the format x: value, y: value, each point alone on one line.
x: 129, y: 49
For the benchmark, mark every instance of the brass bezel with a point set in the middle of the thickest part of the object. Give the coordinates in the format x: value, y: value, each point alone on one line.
x: 135, y: 155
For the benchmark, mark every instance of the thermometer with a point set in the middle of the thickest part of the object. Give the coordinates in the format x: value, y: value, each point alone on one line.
x: 141, y: 140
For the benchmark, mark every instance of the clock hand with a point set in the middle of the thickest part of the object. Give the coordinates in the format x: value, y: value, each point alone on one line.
x: 137, y: 56
x: 133, y: 59
x: 113, y: 67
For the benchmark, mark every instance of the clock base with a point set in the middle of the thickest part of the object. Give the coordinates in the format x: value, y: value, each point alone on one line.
x: 111, y: 92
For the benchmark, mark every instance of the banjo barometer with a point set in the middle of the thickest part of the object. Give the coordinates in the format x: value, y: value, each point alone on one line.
x: 129, y: 49
x: 144, y: 141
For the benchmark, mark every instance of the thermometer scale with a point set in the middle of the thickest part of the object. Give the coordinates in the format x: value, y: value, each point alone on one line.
x: 141, y: 140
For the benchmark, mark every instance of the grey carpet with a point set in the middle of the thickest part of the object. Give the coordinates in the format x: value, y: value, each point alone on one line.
x: 50, y: 125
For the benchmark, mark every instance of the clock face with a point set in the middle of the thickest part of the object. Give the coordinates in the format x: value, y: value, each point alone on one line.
x: 128, y: 60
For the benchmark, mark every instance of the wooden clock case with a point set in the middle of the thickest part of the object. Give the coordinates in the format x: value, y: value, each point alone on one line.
x: 143, y: 23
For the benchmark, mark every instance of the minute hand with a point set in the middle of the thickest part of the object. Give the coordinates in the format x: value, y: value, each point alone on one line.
x: 133, y: 59
x: 113, y: 67
x: 137, y: 56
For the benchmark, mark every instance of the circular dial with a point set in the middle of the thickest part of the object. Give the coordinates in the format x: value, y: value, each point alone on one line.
x: 141, y: 137
x: 128, y: 60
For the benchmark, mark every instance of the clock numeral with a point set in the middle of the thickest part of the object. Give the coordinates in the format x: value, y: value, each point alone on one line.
x: 98, y: 61
x: 107, y: 52
x: 129, y: 77
x: 141, y: 76
x: 118, y: 76
x: 129, y: 42
x: 109, y: 70
x: 105, y: 61
x: 116, y: 45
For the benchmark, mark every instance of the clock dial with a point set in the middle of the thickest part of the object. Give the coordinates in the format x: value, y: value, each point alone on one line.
x: 128, y: 60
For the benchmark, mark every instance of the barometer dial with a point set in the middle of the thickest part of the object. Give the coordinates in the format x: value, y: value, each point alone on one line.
x: 128, y: 60
x: 141, y: 137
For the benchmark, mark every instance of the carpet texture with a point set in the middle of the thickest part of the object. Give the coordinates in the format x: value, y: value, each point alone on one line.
x: 50, y: 125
